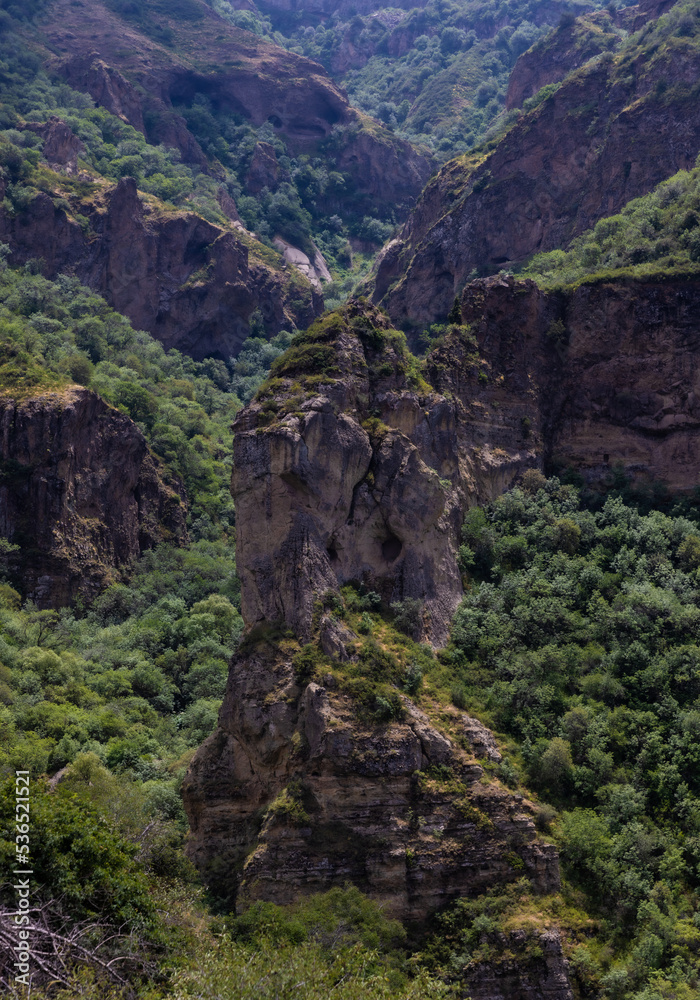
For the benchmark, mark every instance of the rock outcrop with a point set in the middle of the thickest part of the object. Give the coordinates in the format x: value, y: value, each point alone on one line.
x: 520, y: 974
x: 108, y: 88
x: 570, y: 45
x: 293, y: 795
x: 611, y: 132
x: 351, y: 467
x: 80, y: 493
x: 356, y: 464
x: 264, y: 170
x: 315, y: 270
x: 188, y: 282
x: 365, y: 475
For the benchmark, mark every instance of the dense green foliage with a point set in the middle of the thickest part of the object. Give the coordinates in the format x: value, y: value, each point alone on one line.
x: 79, y: 858
x: 657, y: 234
x: 136, y: 681
x: 578, y: 637
x: 338, y: 944
x: 113, y: 148
x: 56, y: 332
x: 436, y: 74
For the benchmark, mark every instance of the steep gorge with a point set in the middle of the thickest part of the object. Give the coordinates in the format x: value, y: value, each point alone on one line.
x: 354, y: 466
x: 236, y: 70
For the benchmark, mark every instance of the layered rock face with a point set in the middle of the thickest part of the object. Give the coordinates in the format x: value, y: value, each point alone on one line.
x: 292, y: 795
x: 80, y: 493
x: 357, y: 472
x: 610, y: 133
x: 519, y: 975
x: 190, y: 283
x: 612, y: 365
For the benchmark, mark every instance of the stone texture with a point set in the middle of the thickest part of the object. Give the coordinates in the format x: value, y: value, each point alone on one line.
x: 619, y: 387
x: 264, y: 170
x: 333, y: 504
x: 106, y: 85
x: 367, y: 817
x: 80, y: 493
x: 315, y: 271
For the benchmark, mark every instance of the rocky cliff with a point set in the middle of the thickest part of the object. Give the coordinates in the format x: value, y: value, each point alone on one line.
x: 351, y: 467
x: 611, y: 365
x: 191, y: 284
x: 80, y: 493
x: 294, y: 794
x: 361, y: 465
x: 200, y: 53
x: 612, y: 131
x: 355, y: 464
x: 565, y: 48
x: 573, y: 43
x: 361, y: 469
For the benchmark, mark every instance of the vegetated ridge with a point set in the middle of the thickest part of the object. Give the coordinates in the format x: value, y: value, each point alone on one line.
x: 610, y: 132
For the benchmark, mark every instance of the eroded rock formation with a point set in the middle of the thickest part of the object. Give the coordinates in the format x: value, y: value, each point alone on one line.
x: 292, y: 795
x: 351, y: 467
x: 190, y: 283
x: 365, y: 475
x: 355, y: 465
x: 611, y: 132
x: 80, y: 493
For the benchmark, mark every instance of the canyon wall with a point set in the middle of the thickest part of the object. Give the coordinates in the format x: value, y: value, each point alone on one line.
x: 612, y: 131
x: 613, y: 364
x: 80, y: 493
x: 191, y: 284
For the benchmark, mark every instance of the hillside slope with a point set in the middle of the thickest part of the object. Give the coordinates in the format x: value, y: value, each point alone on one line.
x: 610, y: 132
